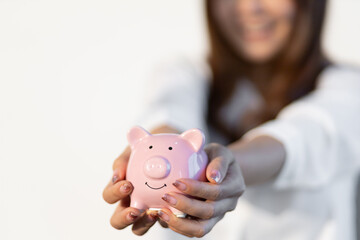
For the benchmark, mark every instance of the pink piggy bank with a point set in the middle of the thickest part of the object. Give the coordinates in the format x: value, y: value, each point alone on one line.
x: 157, y: 160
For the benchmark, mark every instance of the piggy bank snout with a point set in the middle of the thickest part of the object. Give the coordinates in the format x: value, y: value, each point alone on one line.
x: 157, y: 167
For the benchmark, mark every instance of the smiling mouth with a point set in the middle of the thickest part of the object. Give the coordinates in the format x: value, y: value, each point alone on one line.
x: 153, y: 187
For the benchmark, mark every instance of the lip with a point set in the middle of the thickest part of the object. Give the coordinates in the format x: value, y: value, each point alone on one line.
x: 155, y: 188
x: 255, y: 31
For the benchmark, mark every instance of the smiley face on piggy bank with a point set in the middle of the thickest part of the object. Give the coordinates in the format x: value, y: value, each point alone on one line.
x: 158, y: 160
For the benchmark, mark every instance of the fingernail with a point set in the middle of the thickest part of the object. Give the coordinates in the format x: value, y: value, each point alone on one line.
x: 164, y: 216
x: 115, y: 176
x: 170, y: 199
x: 179, y: 185
x: 132, y: 216
x: 125, y: 188
x: 215, y: 174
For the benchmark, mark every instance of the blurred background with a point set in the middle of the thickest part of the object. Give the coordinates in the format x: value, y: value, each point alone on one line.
x: 71, y: 83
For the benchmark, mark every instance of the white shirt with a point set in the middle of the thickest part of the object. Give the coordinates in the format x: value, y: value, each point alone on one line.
x: 313, y: 197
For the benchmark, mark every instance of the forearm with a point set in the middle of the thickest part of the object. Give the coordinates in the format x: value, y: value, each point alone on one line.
x: 260, y: 159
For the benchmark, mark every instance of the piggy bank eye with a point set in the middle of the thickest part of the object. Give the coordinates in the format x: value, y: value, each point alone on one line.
x: 170, y: 148
x: 150, y: 147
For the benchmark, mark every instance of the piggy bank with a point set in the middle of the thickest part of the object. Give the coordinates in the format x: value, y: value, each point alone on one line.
x: 158, y: 160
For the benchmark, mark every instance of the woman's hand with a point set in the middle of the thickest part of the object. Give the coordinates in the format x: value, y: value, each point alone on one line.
x: 221, y: 194
x: 119, y: 189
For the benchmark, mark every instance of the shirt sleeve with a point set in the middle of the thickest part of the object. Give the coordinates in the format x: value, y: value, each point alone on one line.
x: 176, y: 95
x: 320, y: 132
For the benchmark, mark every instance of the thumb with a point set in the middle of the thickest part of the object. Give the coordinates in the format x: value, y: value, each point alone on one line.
x: 120, y: 165
x: 219, y: 160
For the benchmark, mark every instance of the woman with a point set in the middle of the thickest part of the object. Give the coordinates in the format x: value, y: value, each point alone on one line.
x: 273, y: 107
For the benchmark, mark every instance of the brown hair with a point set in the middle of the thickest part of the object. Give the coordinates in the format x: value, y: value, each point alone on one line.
x: 292, y: 75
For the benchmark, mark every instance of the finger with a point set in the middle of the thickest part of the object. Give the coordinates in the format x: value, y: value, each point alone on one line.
x: 162, y: 223
x: 120, y: 165
x: 193, y: 207
x: 141, y: 226
x: 115, y: 192
x: 198, y: 208
x: 188, y: 227
x: 220, y: 158
x: 229, y: 188
x: 199, y: 189
x: 217, y: 169
x: 123, y: 217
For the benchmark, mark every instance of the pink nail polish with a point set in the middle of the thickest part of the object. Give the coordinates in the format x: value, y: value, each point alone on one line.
x: 164, y: 216
x: 215, y: 175
x: 179, y: 185
x: 170, y: 199
x: 132, y: 216
x: 115, y: 176
x: 125, y: 188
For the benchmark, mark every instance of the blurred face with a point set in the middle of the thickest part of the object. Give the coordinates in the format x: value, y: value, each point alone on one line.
x: 257, y: 29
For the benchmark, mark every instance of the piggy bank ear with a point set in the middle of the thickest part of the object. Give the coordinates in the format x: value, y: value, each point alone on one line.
x: 195, y: 137
x: 136, y: 134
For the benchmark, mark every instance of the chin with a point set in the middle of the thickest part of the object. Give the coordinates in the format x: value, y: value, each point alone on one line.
x: 258, y: 55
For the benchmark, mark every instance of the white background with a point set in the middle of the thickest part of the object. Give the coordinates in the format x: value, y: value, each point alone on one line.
x: 71, y: 79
